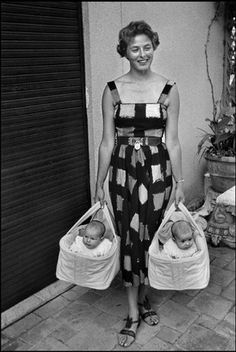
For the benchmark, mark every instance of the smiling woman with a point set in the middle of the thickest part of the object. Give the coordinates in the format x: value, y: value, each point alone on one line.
x: 138, y: 108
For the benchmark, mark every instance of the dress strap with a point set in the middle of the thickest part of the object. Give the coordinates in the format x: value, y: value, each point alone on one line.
x: 114, y: 92
x: 165, y: 92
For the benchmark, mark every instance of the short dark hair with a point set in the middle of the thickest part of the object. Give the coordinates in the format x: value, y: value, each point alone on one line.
x: 131, y: 30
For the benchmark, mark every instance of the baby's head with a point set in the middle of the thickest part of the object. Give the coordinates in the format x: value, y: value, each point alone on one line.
x: 93, y: 234
x: 182, y: 234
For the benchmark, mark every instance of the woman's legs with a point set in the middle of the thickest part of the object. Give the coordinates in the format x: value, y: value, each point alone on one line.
x: 133, y: 312
x: 153, y: 318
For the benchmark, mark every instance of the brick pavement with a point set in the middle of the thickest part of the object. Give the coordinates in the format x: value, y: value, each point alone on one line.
x: 82, y: 319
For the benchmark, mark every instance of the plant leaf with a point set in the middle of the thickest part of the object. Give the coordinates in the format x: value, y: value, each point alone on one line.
x: 202, y: 141
x: 222, y: 137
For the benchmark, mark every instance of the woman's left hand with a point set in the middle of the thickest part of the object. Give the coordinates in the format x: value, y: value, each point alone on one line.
x: 179, y: 194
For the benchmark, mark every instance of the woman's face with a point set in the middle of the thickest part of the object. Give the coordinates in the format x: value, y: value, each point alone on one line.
x: 140, y: 52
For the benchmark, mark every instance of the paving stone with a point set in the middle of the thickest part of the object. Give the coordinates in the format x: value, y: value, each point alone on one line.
x: 198, y: 338
x: 221, y: 276
x: 230, y: 317
x: 158, y: 297
x: 20, y: 310
x: 156, y: 344
x: 94, y: 338
x: 4, y: 339
x: 117, y: 281
x: 53, y: 290
x: 77, y: 315
x: 222, y: 251
x: 52, y: 307
x: 181, y: 297
x: 145, y: 333
x: 50, y: 344
x: 229, y: 291
x: 210, y: 304
x: 40, y: 331
x: 80, y: 289
x: 102, y: 293
x: 212, y: 255
x: 17, y: 345
x: 117, y: 306
x: 225, y: 328
x: 223, y: 261
x: 168, y: 335
x: 63, y: 333
x: 89, y: 297
x: 207, y: 321
x: 191, y: 293
x: 22, y: 325
x: 231, y: 266
x: 106, y: 320
x: 212, y: 287
x: 233, y: 310
x: 176, y: 316
x: 231, y: 344
x: 74, y: 293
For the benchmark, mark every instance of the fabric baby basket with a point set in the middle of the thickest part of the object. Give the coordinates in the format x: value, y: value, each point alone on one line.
x: 186, y: 273
x: 93, y: 272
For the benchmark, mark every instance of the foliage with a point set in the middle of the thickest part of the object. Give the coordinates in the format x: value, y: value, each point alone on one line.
x: 220, y: 141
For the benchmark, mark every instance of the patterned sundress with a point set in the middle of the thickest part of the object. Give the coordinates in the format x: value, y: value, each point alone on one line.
x: 140, y: 182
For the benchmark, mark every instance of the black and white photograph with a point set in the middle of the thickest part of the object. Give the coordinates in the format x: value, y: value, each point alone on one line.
x: 118, y: 175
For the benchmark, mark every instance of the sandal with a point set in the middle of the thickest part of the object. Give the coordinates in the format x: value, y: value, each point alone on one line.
x: 128, y: 332
x: 146, y: 305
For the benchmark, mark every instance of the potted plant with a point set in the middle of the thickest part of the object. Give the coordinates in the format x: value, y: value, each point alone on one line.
x: 218, y: 145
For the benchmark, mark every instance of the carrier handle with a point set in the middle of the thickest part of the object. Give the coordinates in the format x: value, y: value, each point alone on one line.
x: 167, y: 216
x: 93, y: 210
x: 182, y: 207
x: 189, y: 216
x: 88, y: 213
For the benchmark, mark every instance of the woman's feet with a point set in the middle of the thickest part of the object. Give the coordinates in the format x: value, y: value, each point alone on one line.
x: 128, y: 334
x: 148, y: 315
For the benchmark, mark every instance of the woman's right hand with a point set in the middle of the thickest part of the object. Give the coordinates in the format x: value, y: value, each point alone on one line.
x: 99, y: 195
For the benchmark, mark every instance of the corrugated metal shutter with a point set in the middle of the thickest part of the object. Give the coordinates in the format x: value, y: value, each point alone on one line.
x: 45, y: 167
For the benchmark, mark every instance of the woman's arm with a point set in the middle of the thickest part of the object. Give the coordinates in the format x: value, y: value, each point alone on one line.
x: 106, y: 145
x: 172, y: 142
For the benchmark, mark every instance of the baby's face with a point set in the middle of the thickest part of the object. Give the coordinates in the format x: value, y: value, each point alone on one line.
x: 184, y: 240
x: 91, y: 239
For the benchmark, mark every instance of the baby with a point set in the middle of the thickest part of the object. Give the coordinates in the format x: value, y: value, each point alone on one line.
x: 91, y: 241
x: 181, y: 244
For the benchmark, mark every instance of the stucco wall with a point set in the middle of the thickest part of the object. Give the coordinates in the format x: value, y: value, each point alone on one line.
x: 182, y: 28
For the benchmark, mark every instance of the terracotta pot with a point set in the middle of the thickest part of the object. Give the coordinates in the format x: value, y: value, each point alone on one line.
x: 222, y: 172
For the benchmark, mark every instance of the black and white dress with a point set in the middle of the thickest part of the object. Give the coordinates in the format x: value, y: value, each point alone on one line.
x: 140, y: 181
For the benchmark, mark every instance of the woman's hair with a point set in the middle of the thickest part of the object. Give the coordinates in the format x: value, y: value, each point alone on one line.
x: 131, y: 30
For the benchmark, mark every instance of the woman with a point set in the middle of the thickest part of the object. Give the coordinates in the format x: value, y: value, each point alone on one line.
x: 138, y: 108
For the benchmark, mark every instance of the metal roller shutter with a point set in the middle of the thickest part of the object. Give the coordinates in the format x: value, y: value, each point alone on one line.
x: 45, y: 163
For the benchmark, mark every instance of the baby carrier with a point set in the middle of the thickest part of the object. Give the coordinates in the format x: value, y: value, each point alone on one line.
x: 166, y: 273
x: 82, y: 270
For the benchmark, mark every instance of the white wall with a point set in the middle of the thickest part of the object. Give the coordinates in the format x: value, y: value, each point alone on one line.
x: 182, y: 28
